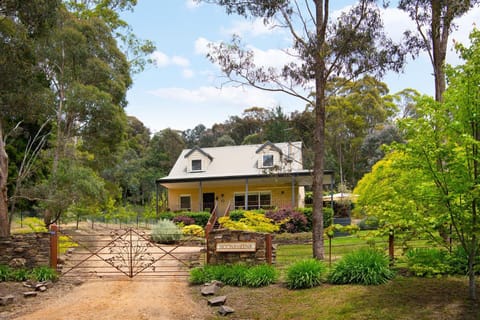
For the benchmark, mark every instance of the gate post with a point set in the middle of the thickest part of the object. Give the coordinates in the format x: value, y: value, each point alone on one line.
x: 268, y: 248
x: 53, y: 246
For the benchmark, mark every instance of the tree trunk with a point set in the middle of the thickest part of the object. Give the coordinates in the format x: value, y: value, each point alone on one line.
x: 439, y: 48
x: 4, y: 221
x: 319, y: 131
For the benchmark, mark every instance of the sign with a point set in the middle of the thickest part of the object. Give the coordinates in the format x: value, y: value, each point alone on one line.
x: 250, y: 246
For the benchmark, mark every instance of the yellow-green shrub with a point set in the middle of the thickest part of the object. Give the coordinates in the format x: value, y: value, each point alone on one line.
x: 193, y: 230
x: 251, y: 221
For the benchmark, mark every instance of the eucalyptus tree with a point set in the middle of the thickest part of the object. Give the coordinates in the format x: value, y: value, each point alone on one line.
x: 323, y: 48
x: 434, y: 20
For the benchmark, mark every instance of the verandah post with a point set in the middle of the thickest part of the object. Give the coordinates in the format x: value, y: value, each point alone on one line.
x: 53, y: 246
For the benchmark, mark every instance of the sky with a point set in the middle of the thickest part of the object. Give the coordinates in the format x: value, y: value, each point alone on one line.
x: 183, y: 88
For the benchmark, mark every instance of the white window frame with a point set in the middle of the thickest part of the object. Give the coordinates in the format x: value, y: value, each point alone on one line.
x: 270, y: 158
x: 258, y: 194
x: 196, y: 161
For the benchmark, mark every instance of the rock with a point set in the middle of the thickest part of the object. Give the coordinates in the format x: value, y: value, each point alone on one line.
x: 6, y: 300
x: 217, y: 301
x: 210, y: 290
x: 217, y: 283
x: 225, y: 310
x: 29, y: 294
x: 41, y: 288
x: 69, y: 251
x: 18, y: 263
x: 77, y: 282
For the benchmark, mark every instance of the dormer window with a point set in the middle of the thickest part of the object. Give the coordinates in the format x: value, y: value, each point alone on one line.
x: 196, y: 165
x: 267, y: 160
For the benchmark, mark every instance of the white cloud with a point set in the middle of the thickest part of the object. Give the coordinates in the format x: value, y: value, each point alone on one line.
x: 188, y: 73
x: 201, y: 46
x: 254, y: 28
x: 162, y: 60
x: 192, y: 4
x: 180, y: 61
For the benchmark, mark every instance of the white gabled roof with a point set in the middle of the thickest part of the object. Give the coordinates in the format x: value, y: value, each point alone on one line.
x: 237, y: 161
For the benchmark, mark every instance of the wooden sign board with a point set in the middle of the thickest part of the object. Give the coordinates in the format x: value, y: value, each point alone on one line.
x: 249, y: 246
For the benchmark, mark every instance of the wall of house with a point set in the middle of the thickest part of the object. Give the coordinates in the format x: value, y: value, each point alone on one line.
x: 281, y: 196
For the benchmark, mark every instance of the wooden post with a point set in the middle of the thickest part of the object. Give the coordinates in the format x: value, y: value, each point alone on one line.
x: 268, y: 248
x: 391, y: 247
x: 53, y: 246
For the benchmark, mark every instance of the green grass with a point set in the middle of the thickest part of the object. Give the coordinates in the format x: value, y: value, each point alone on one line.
x: 402, y: 298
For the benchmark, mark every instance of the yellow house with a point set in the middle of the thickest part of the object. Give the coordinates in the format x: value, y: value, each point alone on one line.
x: 239, y: 177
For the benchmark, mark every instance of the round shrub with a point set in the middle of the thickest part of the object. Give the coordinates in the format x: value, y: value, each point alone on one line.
x: 365, y: 266
x: 305, y: 274
x: 200, y: 218
x: 236, y: 215
x: 166, y: 231
x: 261, y: 275
x: 290, y: 221
x: 193, y: 230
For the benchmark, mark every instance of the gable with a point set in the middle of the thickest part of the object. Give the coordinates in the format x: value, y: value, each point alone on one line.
x: 197, y: 160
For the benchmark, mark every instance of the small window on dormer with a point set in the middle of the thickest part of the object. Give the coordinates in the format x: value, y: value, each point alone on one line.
x: 197, y: 165
x: 267, y: 160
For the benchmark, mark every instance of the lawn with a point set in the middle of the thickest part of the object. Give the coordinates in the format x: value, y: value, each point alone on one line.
x: 403, y: 298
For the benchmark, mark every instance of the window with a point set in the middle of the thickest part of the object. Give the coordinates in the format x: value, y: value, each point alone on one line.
x: 185, y: 202
x: 196, y: 165
x: 267, y: 160
x: 256, y: 200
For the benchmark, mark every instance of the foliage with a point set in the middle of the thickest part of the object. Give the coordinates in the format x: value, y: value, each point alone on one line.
x: 166, y: 215
x: 428, y: 262
x: 459, y: 262
x: 35, y: 224
x: 365, y: 266
x: 306, y: 273
x: 183, y: 220
x: 251, y: 221
x: 236, y: 215
x: 166, y: 231
x: 65, y: 243
x: 351, y: 229
x: 289, y: 220
x: 200, y: 218
x: 235, y: 275
x: 193, y: 230
x: 369, y: 223
x: 327, y: 216
x: 41, y: 273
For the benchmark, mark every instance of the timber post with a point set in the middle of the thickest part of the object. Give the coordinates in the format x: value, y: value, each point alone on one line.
x: 53, y: 246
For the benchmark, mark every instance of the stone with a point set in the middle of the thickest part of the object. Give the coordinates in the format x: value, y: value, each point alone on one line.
x: 217, y: 283
x: 77, y: 282
x: 225, y: 310
x: 210, y: 290
x: 18, y: 263
x: 6, y: 300
x: 29, y: 294
x: 217, y: 301
x: 41, y: 288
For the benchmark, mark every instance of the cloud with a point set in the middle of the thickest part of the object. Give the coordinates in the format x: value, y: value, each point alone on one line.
x: 162, y: 60
x: 253, y: 28
x: 192, y: 4
x: 201, y: 46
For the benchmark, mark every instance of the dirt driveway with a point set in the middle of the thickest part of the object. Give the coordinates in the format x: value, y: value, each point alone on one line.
x: 135, y: 299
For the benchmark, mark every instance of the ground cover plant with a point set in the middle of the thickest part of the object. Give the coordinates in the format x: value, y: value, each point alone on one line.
x: 41, y: 273
x: 306, y: 273
x: 235, y: 275
x: 365, y: 266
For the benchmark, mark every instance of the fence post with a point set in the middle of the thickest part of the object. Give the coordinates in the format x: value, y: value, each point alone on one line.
x: 53, y: 246
x: 268, y: 248
x: 391, y: 247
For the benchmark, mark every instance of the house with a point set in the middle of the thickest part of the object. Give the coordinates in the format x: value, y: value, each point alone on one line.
x: 239, y: 177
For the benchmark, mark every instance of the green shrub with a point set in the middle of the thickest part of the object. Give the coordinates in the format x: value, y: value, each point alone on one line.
x: 252, y: 221
x: 20, y: 274
x: 5, y: 272
x: 236, y: 215
x: 166, y: 215
x: 327, y: 216
x: 365, y: 266
x: 166, y: 231
x: 261, y: 275
x: 43, y: 274
x: 369, y: 223
x: 459, y: 261
x: 428, y: 262
x: 201, y: 218
x: 305, y: 274
x: 238, y: 275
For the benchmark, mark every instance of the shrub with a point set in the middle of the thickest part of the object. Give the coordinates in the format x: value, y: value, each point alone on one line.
x: 166, y: 231
x: 251, y: 221
x: 305, y: 274
x: 20, y: 274
x: 327, y: 216
x: 290, y: 221
x: 261, y: 275
x: 236, y: 215
x: 184, y: 220
x: 235, y: 275
x: 166, y: 215
x: 459, y: 261
x: 43, y: 274
x: 193, y: 230
x: 200, y: 218
x: 369, y: 223
x: 4, y: 273
x: 365, y: 266
x: 428, y: 262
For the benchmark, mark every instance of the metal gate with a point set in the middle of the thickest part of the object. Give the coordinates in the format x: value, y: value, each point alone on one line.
x: 128, y: 252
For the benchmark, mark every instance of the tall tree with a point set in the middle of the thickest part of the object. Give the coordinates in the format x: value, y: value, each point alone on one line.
x: 434, y: 20
x: 351, y: 45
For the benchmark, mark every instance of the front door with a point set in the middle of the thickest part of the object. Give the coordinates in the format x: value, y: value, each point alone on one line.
x: 208, y: 201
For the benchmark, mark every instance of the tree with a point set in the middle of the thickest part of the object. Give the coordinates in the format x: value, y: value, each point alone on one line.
x: 348, y: 47
x: 434, y: 22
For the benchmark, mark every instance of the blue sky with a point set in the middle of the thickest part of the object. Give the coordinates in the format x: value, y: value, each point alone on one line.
x: 182, y: 89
